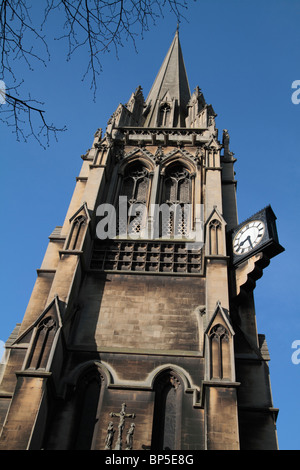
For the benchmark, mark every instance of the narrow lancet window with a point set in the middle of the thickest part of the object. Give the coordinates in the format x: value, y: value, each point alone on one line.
x: 219, y: 353
x: 164, y: 115
x: 215, y: 232
x: 166, y: 434
x: 75, y: 238
x: 42, y: 344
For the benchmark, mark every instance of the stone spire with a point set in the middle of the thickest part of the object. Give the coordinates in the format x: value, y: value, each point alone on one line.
x: 170, y: 90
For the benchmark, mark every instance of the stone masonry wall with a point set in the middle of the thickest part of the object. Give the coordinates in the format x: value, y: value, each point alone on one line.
x: 140, y: 312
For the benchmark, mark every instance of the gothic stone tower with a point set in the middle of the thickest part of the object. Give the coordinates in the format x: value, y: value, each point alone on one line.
x: 146, y: 339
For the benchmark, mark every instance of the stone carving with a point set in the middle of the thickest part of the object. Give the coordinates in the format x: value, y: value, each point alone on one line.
x: 226, y: 140
x: 119, y: 154
x: 175, y: 382
x: 129, y: 437
x: 98, y: 133
x: 159, y: 154
x: 109, y: 436
x: 198, y: 158
x: 122, y: 415
x: 211, y: 122
x: 86, y: 154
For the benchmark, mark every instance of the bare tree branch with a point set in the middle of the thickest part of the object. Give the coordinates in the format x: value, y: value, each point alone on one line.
x: 26, y: 118
x: 96, y: 26
x: 17, y: 33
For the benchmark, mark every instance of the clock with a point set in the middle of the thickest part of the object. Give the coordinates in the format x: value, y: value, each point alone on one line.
x: 256, y: 234
x: 248, y: 237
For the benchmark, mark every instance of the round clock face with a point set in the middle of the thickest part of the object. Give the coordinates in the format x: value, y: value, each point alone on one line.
x: 248, y: 237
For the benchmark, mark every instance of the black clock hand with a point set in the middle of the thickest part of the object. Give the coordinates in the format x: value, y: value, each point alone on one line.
x: 250, y: 243
x: 246, y: 239
x: 242, y: 243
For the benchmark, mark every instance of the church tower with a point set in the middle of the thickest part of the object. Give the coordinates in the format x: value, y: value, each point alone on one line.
x: 140, y: 333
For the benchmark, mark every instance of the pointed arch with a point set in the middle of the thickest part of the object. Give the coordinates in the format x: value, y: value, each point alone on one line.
x: 176, y: 199
x: 181, y: 156
x: 134, y: 193
x: 74, y: 241
x: 219, y: 350
x: 41, y: 338
x: 164, y: 115
x: 42, y: 343
x: 215, y: 234
x: 215, y: 237
x: 74, y: 421
x: 81, y: 369
x: 79, y: 222
x: 91, y: 381
x: 166, y: 432
x: 219, y: 353
x: 137, y: 155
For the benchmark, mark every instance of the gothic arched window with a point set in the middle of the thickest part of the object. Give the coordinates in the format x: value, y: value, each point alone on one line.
x: 135, y: 188
x: 164, y: 115
x: 42, y: 344
x: 219, y: 353
x: 214, y: 235
x: 74, y: 422
x: 177, y: 195
x: 166, y: 432
x: 89, y: 393
x: 75, y: 238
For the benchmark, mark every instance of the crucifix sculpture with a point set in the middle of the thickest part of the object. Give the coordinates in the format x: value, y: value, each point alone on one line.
x: 122, y: 415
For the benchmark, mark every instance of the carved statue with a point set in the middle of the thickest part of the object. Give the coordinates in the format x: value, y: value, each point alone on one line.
x: 129, y: 437
x: 86, y: 154
x: 110, y: 436
x: 226, y: 140
x: 159, y: 154
x: 211, y: 121
x: 175, y: 382
x: 98, y: 133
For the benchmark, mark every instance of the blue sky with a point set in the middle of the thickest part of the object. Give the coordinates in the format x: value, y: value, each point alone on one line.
x: 244, y: 55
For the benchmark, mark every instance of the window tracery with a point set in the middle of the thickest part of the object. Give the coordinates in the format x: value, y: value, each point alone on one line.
x: 177, y: 195
x: 135, y: 187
